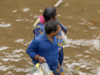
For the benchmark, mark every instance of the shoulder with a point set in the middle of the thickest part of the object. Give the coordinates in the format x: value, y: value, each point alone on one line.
x: 39, y: 37
x: 40, y: 25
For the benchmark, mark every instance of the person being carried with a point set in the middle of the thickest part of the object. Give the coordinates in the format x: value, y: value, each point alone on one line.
x: 44, y: 47
x: 51, y: 14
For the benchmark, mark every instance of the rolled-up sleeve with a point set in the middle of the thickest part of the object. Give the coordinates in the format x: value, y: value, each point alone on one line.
x: 63, y: 27
x: 32, y: 48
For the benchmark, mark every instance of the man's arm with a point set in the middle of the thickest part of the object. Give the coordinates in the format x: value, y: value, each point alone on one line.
x: 31, y: 52
x: 31, y: 49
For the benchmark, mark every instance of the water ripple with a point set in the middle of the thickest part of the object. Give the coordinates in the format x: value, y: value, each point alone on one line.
x: 3, y: 48
x: 5, y: 25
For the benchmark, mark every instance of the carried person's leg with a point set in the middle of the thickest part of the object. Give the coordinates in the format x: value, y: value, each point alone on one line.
x: 61, y: 56
x: 60, y: 71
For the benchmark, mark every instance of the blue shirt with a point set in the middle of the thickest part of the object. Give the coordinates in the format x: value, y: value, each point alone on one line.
x: 43, y: 47
x: 39, y: 29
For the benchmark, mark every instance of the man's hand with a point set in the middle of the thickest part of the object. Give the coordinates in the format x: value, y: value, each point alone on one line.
x: 41, y: 60
x: 59, y: 50
x: 58, y: 66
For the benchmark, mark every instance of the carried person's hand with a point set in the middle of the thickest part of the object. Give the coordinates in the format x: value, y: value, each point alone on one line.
x: 41, y: 60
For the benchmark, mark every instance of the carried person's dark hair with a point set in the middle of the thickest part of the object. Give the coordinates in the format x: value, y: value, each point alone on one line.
x: 49, y: 13
x: 51, y: 26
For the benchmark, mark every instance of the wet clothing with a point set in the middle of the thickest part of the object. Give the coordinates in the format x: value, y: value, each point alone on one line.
x: 42, y: 46
x: 39, y: 29
x: 60, y: 71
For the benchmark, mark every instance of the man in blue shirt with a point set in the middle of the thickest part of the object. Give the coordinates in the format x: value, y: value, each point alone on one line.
x: 51, y: 14
x: 44, y: 47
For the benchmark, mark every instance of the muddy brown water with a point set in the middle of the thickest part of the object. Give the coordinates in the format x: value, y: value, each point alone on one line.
x: 82, y: 52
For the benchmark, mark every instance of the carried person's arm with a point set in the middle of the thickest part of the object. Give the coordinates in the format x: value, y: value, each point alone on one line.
x: 63, y: 28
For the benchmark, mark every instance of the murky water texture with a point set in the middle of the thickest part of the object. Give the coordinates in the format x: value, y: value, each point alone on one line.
x: 82, y: 19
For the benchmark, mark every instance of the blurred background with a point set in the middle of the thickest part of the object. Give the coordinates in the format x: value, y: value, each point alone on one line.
x: 82, y: 19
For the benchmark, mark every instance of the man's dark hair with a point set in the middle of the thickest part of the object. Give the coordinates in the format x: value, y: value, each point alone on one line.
x: 50, y: 26
x: 49, y: 13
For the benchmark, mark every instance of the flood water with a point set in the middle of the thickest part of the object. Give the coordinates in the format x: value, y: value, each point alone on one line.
x: 82, y: 19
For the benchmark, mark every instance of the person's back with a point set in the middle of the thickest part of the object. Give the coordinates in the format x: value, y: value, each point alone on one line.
x: 39, y: 29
